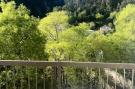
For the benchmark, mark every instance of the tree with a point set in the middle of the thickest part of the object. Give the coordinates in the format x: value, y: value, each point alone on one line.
x: 89, y: 10
x: 125, y: 29
x: 52, y: 25
x: 118, y: 46
x: 74, y: 37
x: 63, y: 41
x: 19, y: 36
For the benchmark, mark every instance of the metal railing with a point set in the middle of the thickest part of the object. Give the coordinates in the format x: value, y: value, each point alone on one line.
x: 18, y: 74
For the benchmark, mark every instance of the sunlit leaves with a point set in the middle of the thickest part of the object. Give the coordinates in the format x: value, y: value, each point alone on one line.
x: 19, y: 36
x: 64, y: 42
x: 116, y: 47
x: 53, y: 24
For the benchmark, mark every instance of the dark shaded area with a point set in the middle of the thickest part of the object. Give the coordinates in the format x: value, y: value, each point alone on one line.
x: 85, y: 8
x: 80, y: 10
x: 39, y: 8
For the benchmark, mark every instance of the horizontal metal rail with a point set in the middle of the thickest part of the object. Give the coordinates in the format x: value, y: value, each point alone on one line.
x: 67, y: 64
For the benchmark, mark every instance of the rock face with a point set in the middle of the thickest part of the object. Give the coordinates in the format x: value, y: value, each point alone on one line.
x: 118, y: 79
x: 105, y: 29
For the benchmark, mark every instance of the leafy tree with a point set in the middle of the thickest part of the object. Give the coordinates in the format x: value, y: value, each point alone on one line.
x: 91, y: 10
x: 52, y: 26
x: 125, y: 29
x: 116, y: 47
x: 19, y: 36
x: 63, y: 41
x: 74, y: 37
x: 19, y: 39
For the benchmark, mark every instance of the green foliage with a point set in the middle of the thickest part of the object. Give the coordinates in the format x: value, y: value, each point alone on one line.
x: 125, y: 30
x: 90, y: 10
x: 125, y: 18
x: 21, y: 39
x: 53, y: 24
x: 63, y: 41
x: 74, y: 37
x: 25, y: 37
x: 19, y: 36
x: 116, y: 47
x: 99, y: 16
x: 79, y: 43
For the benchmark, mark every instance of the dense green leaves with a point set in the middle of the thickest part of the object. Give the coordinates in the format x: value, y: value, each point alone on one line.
x: 116, y: 47
x: 125, y: 29
x: 19, y: 36
x: 64, y: 41
x: 53, y: 24
x: 24, y: 37
x: 80, y: 43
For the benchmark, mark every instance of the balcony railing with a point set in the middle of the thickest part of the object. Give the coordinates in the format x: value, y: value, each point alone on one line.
x: 18, y: 74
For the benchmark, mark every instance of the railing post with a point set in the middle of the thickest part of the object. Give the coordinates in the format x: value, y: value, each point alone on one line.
x: 59, y: 77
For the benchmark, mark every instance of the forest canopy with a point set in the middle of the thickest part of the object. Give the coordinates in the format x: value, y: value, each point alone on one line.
x: 94, y: 36
x: 67, y: 32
